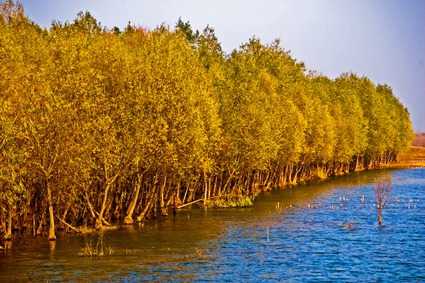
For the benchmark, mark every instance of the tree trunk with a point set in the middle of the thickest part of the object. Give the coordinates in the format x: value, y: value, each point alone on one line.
x: 34, y: 229
x: 205, y: 190
x: 129, y: 218
x: 144, y: 212
x: 150, y: 198
x: 39, y: 230
x: 8, y: 235
x: 52, y: 235
x: 380, y: 216
x: 99, y: 224
x: 162, y: 209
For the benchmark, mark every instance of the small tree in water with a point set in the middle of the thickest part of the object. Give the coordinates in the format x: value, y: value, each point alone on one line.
x: 382, y: 191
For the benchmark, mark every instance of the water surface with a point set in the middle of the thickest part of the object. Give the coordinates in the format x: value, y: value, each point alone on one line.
x: 320, y: 232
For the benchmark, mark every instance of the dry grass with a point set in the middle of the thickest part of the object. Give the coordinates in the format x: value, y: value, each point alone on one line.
x: 414, y: 157
x: 230, y: 201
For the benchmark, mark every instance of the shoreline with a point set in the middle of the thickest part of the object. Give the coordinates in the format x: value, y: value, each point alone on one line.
x: 414, y: 157
x: 85, y: 230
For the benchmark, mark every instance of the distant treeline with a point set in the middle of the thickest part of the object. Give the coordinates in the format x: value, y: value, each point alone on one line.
x: 419, y: 140
x: 101, y: 126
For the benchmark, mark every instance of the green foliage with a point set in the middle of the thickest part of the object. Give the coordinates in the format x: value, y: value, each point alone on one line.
x: 228, y: 202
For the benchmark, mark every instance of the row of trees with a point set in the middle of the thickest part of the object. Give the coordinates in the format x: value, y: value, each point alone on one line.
x: 101, y: 126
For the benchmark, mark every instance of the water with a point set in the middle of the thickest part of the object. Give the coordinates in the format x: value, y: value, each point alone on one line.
x: 322, y: 232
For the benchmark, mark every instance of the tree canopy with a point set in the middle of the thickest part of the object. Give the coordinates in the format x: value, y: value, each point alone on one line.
x: 99, y: 125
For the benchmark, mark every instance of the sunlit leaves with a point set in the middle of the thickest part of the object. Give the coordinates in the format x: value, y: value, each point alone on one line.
x: 90, y: 110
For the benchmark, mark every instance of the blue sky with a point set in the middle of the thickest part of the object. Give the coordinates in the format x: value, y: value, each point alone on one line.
x: 383, y: 39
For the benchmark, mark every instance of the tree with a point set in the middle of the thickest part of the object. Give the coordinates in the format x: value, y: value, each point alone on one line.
x: 99, y: 126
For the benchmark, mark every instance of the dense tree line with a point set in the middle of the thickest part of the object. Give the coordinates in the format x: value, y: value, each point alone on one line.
x: 101, y: 126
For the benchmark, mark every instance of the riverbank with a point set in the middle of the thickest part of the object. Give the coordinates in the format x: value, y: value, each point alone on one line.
x: 412, y: 158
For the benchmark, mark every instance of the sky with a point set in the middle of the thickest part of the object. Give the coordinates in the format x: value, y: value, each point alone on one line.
x: 382, y: 39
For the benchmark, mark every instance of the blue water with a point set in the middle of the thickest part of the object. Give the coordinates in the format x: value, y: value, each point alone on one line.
x: 313, y: 233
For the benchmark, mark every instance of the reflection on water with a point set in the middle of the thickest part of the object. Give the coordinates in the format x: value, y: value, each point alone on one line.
x: 323, y: 231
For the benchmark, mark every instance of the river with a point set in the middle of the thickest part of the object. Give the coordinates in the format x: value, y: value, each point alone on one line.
x: 317, y: 232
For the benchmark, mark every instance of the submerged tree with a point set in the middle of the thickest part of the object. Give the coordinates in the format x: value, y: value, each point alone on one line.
x: 382, y: 190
